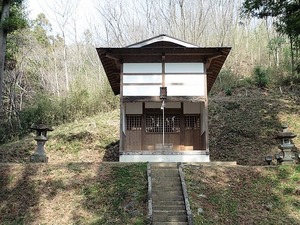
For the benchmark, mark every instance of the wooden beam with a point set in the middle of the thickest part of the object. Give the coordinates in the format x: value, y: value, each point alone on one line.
x: 169, y: 99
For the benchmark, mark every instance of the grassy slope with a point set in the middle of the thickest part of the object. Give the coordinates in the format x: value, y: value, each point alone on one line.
x: 245, y: 195
x: 243, y: 128
x: 75, y: 187
x: 73, y: 193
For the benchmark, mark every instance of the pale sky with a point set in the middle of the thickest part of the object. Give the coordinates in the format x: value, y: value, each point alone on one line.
x: 83, y: 15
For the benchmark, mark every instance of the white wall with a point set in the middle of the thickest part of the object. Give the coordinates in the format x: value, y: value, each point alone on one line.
x: 181, y: 79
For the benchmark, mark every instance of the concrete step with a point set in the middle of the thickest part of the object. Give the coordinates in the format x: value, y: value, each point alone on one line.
x: 169, y: 218
x: 167, y: 198
x: 167, y: 188
x: 165, y: 205
x: 166, y: 193
x: 170, y: 223
x: 165, y: 173
x: 168, y: 202
x: 166, y: 180
x: 169, y: 211
x: 168, y: 207
x: 163, y: 165
x: 162, y: 202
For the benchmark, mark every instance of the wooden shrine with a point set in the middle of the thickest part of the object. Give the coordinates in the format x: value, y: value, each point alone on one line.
x: 163, y: 85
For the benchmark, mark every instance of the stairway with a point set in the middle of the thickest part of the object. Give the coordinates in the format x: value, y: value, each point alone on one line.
x: 167, y: 196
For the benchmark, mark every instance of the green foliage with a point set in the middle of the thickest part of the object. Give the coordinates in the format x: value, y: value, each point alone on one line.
x: 287, y: 12
x: 43, y: 110
x: 41, y: 26
x: 16, y: 19
x: 228, y: 91
x: 260, y: 77
x: 226, y: 81
x: 52, y: 110
x: 284, y: 172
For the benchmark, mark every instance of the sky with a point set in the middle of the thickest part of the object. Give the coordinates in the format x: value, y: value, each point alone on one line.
x: 43, y: 6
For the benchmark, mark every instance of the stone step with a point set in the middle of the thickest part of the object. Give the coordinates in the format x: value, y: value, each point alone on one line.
x: 167, y: 198
x: 169, y: 218
x: 168, y: 201
x: 163, y: 165
x: 161, y: 202
x: 167, y: 188
x: 165, y: 173
x: 168, y: 207
x: 166, y: 193
x: 169, y: 211
x: 170, y: 223
x: 166, y: 180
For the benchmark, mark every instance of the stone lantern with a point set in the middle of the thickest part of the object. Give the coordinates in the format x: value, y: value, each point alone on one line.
x: 39, y: 156
x: 286, y: 145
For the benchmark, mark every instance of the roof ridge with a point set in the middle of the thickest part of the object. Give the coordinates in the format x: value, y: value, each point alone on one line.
x: 162, y: 37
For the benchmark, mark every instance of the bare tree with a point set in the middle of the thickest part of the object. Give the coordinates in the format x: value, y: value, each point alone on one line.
x: 64, y: 12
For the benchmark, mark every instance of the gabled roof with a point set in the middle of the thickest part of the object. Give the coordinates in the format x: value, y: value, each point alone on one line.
x: 162, y: 38
x: 153, y: 49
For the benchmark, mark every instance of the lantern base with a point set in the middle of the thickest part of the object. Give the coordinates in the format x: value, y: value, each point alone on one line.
x: 289, y: 156
x: 35, y: 158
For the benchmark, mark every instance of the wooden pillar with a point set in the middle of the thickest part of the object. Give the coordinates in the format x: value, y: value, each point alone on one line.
x: 122, y: 111
x: 143, y: 131
x: 206, y: 124
x: 182, y: 128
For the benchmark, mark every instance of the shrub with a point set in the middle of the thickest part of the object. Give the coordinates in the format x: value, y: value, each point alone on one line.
x: 260, y: 77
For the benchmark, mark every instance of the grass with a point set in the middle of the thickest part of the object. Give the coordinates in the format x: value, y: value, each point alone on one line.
x: 76, y: 193
x: 243, y: 128
x: 81, y: 141
x: 245, y: 195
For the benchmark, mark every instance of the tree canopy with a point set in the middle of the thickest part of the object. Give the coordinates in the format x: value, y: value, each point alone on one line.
x: 286, y: 12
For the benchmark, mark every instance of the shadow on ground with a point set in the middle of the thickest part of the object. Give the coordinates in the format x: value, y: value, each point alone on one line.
x: 73, y: 193
x: 244, y: 195
x: 112, y: 152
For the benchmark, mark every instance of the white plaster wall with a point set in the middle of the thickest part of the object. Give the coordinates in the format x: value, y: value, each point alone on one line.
x: 142, y: 67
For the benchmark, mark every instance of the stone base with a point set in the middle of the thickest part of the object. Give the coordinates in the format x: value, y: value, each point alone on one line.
x: 285, y: 162
x: 165, y: 156
x: 38, y: 158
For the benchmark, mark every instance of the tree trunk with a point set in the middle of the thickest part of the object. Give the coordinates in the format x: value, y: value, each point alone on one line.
x: 292, y: 56
x: 3, y: 37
